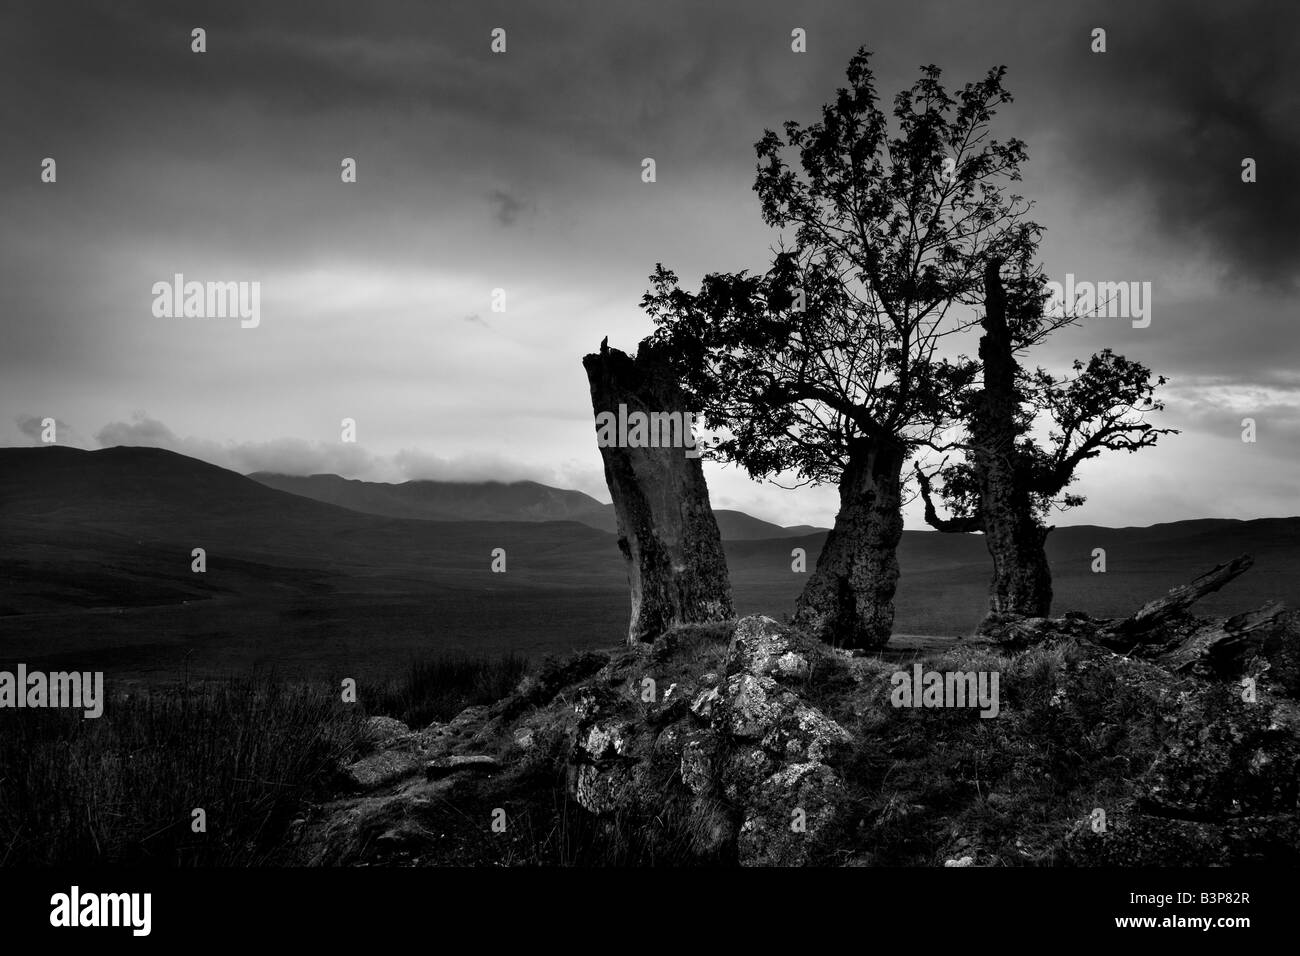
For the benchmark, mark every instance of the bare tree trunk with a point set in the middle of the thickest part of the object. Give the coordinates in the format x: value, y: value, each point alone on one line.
x: 676, y: 568
x: 1022, y: 578
x: 849, y: 600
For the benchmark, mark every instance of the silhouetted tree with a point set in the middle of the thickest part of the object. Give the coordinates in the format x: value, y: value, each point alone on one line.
x: 826, y: 365
x: 1007, y: 482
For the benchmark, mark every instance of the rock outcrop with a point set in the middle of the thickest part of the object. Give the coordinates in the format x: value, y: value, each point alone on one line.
x: 751, y: 754
x: 753, y: 743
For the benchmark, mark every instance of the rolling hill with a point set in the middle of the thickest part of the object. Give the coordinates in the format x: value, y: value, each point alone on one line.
x: 96, y: 552
x: 492, y: 501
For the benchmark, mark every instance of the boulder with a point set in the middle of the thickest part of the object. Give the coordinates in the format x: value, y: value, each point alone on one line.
x: 382, y: 730
x: 745, y: 736
x: 766, y: 648
x: 786, y: 812
x: 383, y: 768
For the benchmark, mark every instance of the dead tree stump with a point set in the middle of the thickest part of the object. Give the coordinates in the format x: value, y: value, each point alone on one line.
x: 676, y: 568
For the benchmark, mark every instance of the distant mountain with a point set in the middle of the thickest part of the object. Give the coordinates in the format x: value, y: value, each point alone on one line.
x: 137, y: 488
x: 446, y: 500
x: 738, y: 526
x: 492, y: 501
x: 96, y: 569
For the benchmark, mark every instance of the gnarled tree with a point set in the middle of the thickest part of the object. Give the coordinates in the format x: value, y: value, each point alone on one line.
x: 1007, y: 483
x: 826, y: 366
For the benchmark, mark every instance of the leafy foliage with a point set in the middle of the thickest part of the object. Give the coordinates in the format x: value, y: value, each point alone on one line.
x: 890, y: 226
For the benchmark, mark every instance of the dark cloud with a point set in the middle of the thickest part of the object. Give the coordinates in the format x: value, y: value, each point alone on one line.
x: 1162, y: 120
x: 506, y: 209
x: 227, y: 164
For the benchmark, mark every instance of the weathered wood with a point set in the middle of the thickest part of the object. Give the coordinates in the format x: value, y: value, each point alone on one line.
x: 849, y: 598
x: 1221, y: 637
x: 1148, y: 619
x: 676, y: 567
x: 1005, y: 512
x: 1162, y: 632
x: 1022, y: 578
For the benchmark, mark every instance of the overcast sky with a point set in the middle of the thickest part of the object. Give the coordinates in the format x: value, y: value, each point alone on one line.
x: 522, y: 171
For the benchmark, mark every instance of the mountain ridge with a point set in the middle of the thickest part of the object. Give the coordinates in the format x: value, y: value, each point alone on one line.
x: 96, y: 551
x: 492, y: 500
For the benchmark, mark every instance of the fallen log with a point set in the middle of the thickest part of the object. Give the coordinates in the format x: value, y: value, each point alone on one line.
x: 1162, y: 631
x: 1143, y: 626
x: 1222, y: 639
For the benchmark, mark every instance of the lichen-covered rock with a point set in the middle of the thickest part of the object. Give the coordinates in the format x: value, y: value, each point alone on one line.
x: 703, y: 704
x: 380, y: 730
x: 786, y: 813
x: 698, y: 753
x: 758, y: 708
x: 1227, y: 758
x: 803, y: 734
x: 746, y: 736
x: 383, y: 768
x: 742, y: 770
x: 606, y: 738
x: 766, y: 648
x: 669, y: 742
x: 670, y: 707
x: 740, y: 751
x: 751, y: 706
x: 589, y: 701
x: 600, y: 789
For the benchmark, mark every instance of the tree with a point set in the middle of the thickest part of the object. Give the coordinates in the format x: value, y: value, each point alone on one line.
x: 826, y: 365
x: 676, y: 568
x: 1007, y: 483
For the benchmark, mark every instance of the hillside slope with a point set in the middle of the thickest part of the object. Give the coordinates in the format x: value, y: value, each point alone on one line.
x: 492, y: 501
x: 96, y: 565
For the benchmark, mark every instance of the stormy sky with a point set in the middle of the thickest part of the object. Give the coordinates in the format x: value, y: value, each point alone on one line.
x: 521, y: 171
